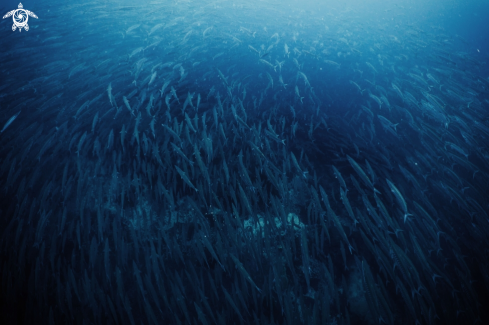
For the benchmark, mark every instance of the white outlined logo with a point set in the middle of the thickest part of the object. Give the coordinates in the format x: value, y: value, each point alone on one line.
x: 20, y: 17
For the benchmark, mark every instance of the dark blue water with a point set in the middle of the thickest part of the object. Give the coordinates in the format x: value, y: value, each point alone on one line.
x: 235, y: 163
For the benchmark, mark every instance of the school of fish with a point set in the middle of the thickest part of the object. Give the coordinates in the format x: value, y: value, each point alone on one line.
x: 216, y: 162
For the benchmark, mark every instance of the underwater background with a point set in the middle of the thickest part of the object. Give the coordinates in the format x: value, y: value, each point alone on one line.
x: 252, y: 162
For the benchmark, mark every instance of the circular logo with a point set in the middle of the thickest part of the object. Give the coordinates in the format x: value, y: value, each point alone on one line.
x: 20, y: 17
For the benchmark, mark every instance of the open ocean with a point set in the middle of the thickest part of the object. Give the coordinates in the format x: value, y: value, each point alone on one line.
x: 244, y: 162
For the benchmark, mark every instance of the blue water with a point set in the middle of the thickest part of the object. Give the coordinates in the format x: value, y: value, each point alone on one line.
x: 268, y: 162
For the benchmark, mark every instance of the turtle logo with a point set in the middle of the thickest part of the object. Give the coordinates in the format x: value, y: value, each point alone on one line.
x: 20, y: 17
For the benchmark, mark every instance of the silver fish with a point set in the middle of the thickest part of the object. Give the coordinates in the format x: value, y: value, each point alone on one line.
x: 10, y: 120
